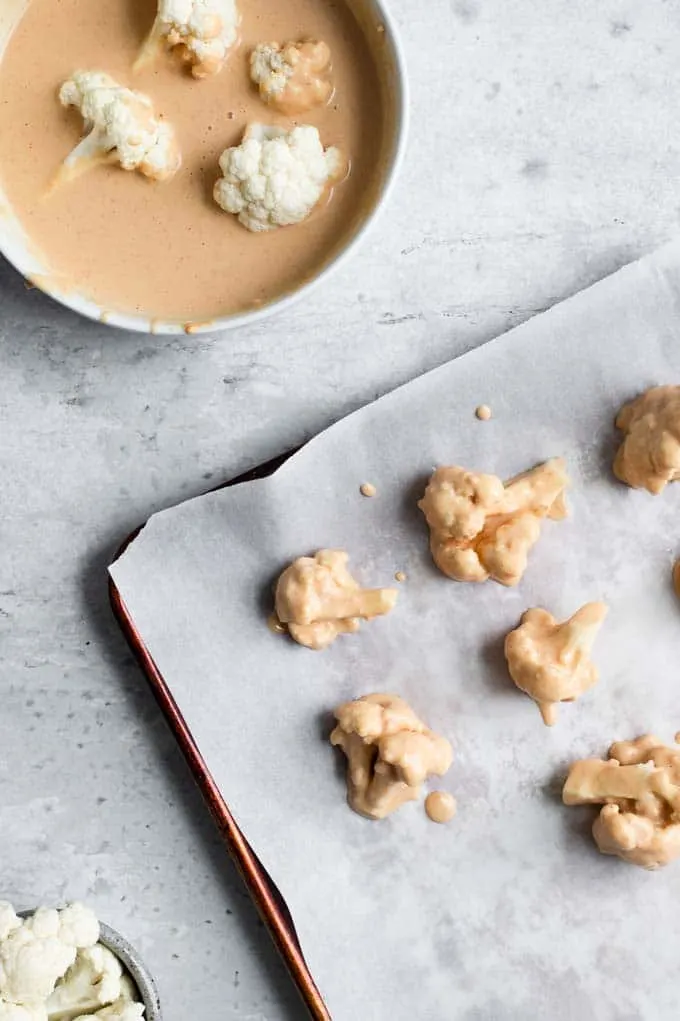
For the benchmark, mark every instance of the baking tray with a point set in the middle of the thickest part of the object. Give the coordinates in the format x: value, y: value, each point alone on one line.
x: 268, y: 901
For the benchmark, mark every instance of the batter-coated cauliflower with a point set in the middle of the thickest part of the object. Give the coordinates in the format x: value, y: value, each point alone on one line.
x: 93, y: 981
x: 121, y: 127
x: 318, y: 599
x: 390, y: 753
x: 483, y: 528
x: 639, y: 787
x: 293, y: 77
x: 551, y: 661
x: 34, y: 956
x: 203, y: 31
x: 649, y: 456
x: 275, y: 177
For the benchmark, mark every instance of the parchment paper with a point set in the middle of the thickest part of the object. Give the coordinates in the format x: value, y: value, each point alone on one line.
x: 508, y: 912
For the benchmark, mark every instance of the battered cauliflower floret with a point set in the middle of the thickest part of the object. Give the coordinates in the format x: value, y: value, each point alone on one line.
x: 649, y: 457
x: 483, y: 528
x: 293, y: 77
x: 639, y: 787
x: 203, y: 31
x: 551, y: 661
x: 34, y: 956
x: 318, y: 599
x: 390, y: 753
x: 275, y: 177
x: 121, y: 126
x: 121, y: 1010
x: 93, y: 981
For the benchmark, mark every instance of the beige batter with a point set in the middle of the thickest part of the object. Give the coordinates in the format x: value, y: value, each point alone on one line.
x: 440, y: 806
x: 166, y: 250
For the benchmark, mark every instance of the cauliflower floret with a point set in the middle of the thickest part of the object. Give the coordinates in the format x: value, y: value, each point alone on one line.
x: 93, y: 981
x: 202, y: 30
x: 318, y: 599
x: 293, y: 77
x: 9, y: 919
x: 390, y: 753
x: 275, y: 177
x: 36, y: 955
x: 649, y: 456
x: 639, y: 787
x: 121, y: 126
x: 482, y: 528
x: 22, y: 1012
x: 121, y: 1010
x: 128, y: 990
x: 551, y: 661
x: 78, y: 925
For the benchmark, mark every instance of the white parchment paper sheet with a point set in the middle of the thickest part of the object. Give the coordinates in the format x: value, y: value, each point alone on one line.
x: 508, y: 912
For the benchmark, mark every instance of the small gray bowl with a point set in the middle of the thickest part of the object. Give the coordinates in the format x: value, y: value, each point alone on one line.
x: 136, y: 969
x: 133, y: 965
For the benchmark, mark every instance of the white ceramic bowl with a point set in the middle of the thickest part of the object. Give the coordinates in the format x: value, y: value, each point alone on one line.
x: 377, y: 23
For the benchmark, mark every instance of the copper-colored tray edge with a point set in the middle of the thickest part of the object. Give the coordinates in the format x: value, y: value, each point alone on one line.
x: 253, y: 874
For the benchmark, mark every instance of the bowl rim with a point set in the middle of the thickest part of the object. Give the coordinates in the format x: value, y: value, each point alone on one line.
x: 136, y: 968
x: 132, y: 964
x: 144, y: 324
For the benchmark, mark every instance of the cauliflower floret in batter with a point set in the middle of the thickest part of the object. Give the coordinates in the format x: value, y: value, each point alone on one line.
x: 293, y: 77
x: 120, y: 126
x: 275, y: 177
x: 201, y: 31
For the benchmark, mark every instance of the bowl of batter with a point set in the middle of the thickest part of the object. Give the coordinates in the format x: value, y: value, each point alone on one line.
x: 163, y: 256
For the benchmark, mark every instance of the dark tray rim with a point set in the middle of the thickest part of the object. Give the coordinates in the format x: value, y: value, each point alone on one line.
x: 266, y: 897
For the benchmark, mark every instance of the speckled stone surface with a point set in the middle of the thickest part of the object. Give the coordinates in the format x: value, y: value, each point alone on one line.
x: 544, y: 154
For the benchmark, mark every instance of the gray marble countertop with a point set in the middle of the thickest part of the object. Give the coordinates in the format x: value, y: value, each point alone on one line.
x: 544, y: 154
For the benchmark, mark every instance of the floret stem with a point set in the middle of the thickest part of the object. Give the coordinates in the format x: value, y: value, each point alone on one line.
x: 151, y: 48
x: 86, y: 155
x: 368, y: 603
x: 580, y: 631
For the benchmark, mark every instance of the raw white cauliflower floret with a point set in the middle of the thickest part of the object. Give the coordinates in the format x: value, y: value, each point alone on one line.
x: 34, y: 956
x: 203, y: 31
x: 93, y: 981
x: 121, y: 1010
x: 275, y: 177
x: 9, y: 919
x: 78, y: 925
x: 121, y: 124
x: 293, y: 77
x: 22, y: 1012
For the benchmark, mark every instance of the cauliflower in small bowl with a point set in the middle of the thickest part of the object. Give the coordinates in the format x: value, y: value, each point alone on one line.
x: 64, y: 965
